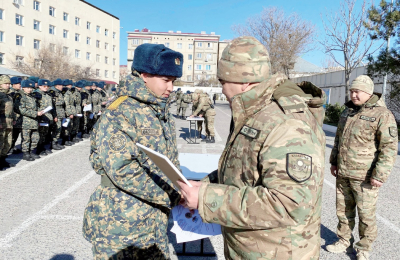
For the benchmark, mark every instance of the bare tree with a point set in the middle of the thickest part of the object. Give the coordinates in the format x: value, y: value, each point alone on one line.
x: 52, y: 61
x: 285, y: 36
x: 346, y: 33
x: 210, y: 82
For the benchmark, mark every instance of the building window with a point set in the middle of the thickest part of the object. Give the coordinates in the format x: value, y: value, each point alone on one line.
x: 199, y: 44
x: 166, y: 44
x: 52, y: 29
x: 198, y: 66
x: 77, y: 37
x: 77, y: 20
x: 114, y: 75
x: 98, y: 73
x: 208, y: 56
x: 19, y: 40
x: 190, y: 57
x: 52, y: 11
x: 97, y: 43
x: 208, y: 67
x: 36, y: 44
x: 36, y: 25
x: 106, y: 32
x: 98, y: 29
x: 36, y: 5
x: 106, y: 46
x: 114, y: 61
x: 77, y: 53
x: 1, y: 36
x: 88, y: 55
x: 65, y: 50
x: 106, y: 73
x: 2, y: 58
x: 135, y: 42
x: 65, y: 17
x: 190, y: 46
x: 113, y: 48
x: 106, y: 60
x: 65, y: 34
x: 147, y: 41
x: 114, y: 34
x: 189, y: 67
x: 179, y: 45
x: 88, y: 40
x: 209, y: 45
x: 1, y: 14
x: 19, y: 60
x: 52, y: 47
x: 88, y: 25
x: 189, y: 77
x: 19, y: 19
x: 198, y: 55
x: 98, y: 58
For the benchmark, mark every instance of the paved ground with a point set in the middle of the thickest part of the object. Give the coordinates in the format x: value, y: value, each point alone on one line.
x: 42, y: 204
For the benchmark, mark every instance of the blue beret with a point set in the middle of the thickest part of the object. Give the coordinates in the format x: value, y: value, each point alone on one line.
x: 43, y: 82
x: 113, y: 89
x: 58, y: 82
x: 28, y: 84
x: 95, y: 83
x: 16, y: 80
x: 101, y: 84
x: 88, y: 83
x: 79, y: 84
x: 179, y: 89
x: 158, y: 60
x: 34, y: 79
x: 66, y: 82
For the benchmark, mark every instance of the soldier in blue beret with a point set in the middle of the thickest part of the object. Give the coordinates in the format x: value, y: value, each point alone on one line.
x: 70, y: 110
x: 86, y: 98
x: 34, y: 79
x: 78, y: 109
x: 133, y: 190
x: 59, y: 103
x: 16, y: 93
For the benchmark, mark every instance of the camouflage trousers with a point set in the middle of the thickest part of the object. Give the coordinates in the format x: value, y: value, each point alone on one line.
x: 178, y: 108
x: 56, y: 129
x: 5, y: 141
x: 352, y: 194
x: 209, y: 122
x: 87, y: 122
x: 184, y: 111
x: 43, y: 131
x: 30, y: 139
x: 15, y: 134
x: 73, y: 127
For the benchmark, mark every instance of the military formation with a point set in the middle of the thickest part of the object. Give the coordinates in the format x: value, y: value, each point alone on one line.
x: 46, y: 115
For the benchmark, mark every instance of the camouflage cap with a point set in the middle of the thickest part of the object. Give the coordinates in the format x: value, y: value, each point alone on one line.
x: 244, y: 60
x: 197, y: 91
x: 4, y: 79
x: 363, y: 83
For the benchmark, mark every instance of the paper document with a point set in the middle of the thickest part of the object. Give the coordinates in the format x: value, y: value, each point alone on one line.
x: 99, y: 113
x: 43, y: 124
x: 196, y: 118
x: 47, y: 109
x: 190, y: 227
x: 165, y: 165
x: 79, y: 115
x: 65, y: 122
x: 87, y: 108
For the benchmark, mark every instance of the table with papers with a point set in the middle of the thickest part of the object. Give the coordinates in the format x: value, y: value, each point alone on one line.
x: 193, y: 122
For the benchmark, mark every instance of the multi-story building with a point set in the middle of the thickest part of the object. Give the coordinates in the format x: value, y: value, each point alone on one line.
x: 86, y: 32
x: 200, y: 51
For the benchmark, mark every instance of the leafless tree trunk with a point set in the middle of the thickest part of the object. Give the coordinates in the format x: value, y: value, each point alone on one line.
x: 285, y: 36
x: 346, y: 33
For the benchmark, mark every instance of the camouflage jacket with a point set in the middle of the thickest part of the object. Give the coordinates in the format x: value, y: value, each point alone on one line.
x: 44, y: 102
x: 186, y: 99
x: 267, y: 191
x: 28, y: 109
x: 203, y: 105
x: 78, y: 101
x: 139, y: 201
x: 104, y: 98
x: 96, y: 101
x: 179, y: 96
x: 86, y: 97
x: 16, y: 95
x: 366, y: 141
x: 70, y: 102
x: 58, y: 102
x: 7, y: 115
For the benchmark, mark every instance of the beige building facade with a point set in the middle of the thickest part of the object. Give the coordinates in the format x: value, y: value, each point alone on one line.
x: 201, y: 51
x: 87, y: 33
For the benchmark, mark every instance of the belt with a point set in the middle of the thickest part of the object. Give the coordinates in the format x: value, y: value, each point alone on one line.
x: 106, y: 182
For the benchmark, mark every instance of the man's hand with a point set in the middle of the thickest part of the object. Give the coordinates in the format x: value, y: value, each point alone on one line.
x: 191, y: 116
x: 190, y: 195
x: 40, y: 113
x: 200, y: 115
x: 71, y: 116
x: 55, y: 119
x: 376, y: 183
x: 334, y: 170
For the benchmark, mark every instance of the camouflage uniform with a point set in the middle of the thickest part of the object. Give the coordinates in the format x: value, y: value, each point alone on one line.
x: 195, y: 103
x: 127, y: 215
x: 179, y: 95
x: 7, y: 117
x: 204, y: 107
x: 96, y: 103
x: 48, y: 118
x: 58, y: 105
x: 86, y: 100
x: 78, y: 109
x: 267, y: 191
x: 70, y: 109
x: 17, y: 128
x: 186, y: 99
x: 365, y: 147
x: 30, y: 135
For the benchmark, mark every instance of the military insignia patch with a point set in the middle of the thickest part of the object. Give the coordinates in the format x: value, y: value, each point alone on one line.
x: 177, y: 61
x: 367, y: 118
x: 299, y: 166
x: 249, y: 132
x: 117, y: 142
x: 393, y: 131
x: 150, y: 132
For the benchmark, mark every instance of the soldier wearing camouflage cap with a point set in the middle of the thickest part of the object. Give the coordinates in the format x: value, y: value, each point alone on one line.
x: 135, y: 195
x: 7, y: 120
x: 266, y: 193
x: 178, y: 96
x: 185, y: 101
x: 362, y: 158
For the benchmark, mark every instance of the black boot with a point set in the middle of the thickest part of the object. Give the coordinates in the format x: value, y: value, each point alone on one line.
x: 16, y: 151
x: 27, y: 157
x: 205, y: 139
x: 6, y: 164
x: 55, y: 146
x: 60, y: 145
x: 34, y: 155
x: 79, y: 138
x: 66, y: 141
x: 48, y: 151
x: 211, y: 140
x: 40, y: 150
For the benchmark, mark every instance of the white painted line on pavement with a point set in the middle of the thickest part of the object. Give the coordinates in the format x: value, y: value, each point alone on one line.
x: 386, y: 222
x: 61, y: 217
x: 223, y: 111
x: 11, y: 171
x: 6, y: 242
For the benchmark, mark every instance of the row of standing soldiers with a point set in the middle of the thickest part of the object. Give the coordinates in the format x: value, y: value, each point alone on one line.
x: 202, y: 107
x: 45, y: 112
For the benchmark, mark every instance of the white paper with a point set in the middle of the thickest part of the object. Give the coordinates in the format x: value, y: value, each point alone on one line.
x: 65, y: 122
x: 87, y: 108
x: 196, y: 118
x: 79, y: 115
x: 91, y: 116
x: 99, y: 113
x: 190, y: 227
x: 47, y: 109
x: 165, y: 165
x: 43, y: 124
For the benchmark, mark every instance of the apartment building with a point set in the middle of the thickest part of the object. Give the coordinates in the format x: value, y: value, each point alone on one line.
x: 201, y: 51
x: 88, y: 33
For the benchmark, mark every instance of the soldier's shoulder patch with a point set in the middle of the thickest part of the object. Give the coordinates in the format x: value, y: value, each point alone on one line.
x: 150, y: 132
x: 117, y: 142
x: 249, y: 132
x: 299, y: 166
x: 367, y: 118
x: 17, y: 96
x: 393, y: 131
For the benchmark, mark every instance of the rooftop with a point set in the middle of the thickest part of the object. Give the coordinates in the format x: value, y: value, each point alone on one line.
x: 99, y: 9
x: 304, y: 66
x: 147, y: 31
